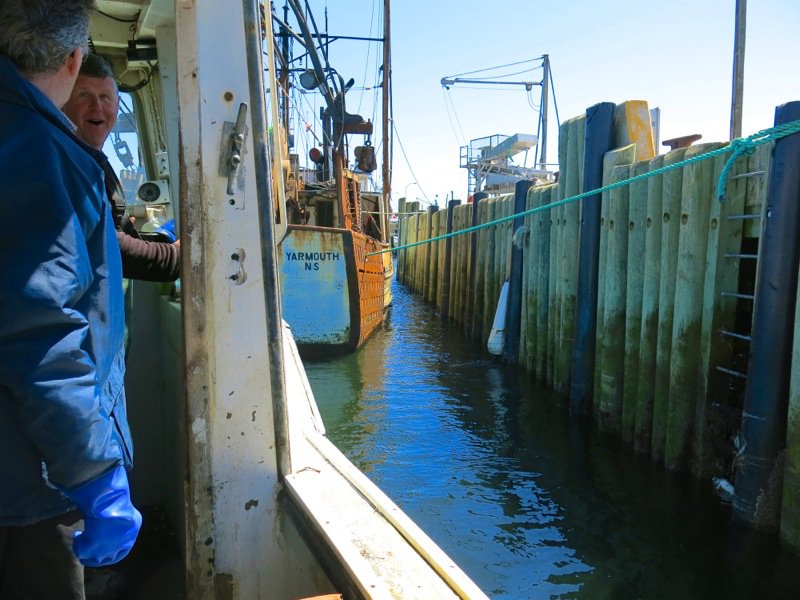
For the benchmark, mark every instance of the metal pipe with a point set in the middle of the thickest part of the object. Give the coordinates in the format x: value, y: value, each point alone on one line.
x: 385, y: 97
x: 266, y: 218
x: 543, y: 109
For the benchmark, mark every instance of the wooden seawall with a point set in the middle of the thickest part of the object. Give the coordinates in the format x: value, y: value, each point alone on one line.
x: 676, y: 288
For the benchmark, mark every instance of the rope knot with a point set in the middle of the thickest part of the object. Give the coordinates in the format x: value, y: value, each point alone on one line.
x: 739, y: 147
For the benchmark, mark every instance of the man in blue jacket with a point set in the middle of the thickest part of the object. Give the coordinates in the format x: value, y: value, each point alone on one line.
x: 64, y: 437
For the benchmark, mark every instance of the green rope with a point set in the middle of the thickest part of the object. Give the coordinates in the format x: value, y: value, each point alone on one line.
x: 738, y: 147
x: 746, y: 146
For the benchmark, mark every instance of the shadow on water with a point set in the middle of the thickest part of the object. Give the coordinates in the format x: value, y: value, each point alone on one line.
x: 529, y: 503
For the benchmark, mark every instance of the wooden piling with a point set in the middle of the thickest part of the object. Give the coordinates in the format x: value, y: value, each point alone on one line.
x: 448, y: 252
x: 649, y: 324
x: 597, y: 140
x: 489, y: 272
x: 442, y: 254
x: 472, y: 284
x: 637, y: 214
x: 568, y: 260
x: 685, y: 361
x: 620, y: 157
x: 541, y: 279
x: 719, y: 316
x: 479, y: 295
x: 611, y: 322
x: 670, y: 230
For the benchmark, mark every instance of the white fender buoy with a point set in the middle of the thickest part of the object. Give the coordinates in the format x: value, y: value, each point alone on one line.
x: 497, y: 338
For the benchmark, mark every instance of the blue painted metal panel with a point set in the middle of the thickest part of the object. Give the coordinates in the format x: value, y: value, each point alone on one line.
x: 314, y: 292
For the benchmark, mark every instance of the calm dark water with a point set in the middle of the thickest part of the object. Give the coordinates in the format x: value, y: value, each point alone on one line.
x: 529, y: 503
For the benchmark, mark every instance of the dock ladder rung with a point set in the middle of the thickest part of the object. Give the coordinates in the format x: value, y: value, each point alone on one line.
x: 732, y: 373
x: 739, y: 336
x: 740, y: 296
x: 743, y: 256
x: 745, y: 175
x: 745, y: 216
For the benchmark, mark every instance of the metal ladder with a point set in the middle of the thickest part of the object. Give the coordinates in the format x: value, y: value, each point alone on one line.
x: 747, y: 278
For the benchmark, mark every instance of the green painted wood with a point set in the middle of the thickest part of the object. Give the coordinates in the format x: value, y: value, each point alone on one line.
x: 637, y: 215
x: 611, y: 323
x: 711, y: 452
x: 670, y: 220
x: 618, y: 157
x: 685, y: 361
x: 649, y: 323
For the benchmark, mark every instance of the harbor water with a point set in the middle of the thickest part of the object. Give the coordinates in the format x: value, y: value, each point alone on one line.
x: 530, y: 503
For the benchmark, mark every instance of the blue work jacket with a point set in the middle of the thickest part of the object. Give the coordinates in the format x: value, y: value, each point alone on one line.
x: 62, y: 401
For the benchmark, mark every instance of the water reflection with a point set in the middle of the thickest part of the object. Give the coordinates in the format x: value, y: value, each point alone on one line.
x: 528, y: 502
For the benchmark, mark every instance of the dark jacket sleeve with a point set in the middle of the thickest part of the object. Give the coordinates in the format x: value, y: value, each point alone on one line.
x: 148, y: 261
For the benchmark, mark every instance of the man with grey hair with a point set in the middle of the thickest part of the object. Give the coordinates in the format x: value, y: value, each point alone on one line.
x: 93, y: 108
x: 64, y: 437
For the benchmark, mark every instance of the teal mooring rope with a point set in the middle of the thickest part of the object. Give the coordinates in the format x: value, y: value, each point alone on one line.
x: 738, y: 147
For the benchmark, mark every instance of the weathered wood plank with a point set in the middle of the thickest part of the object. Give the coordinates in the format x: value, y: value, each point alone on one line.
x: 671, y: 206
x: 611, y: 323
x: 698, y: 192
x: 649, y: 326
x: 620, y: 156
x: 568, y: 267
x: 541, y: 276
x: 637, y: 215
x: 713, y: 429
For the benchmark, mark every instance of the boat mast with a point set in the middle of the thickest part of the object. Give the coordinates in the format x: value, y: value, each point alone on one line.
x: 543, y: 110
x: 387, y: 84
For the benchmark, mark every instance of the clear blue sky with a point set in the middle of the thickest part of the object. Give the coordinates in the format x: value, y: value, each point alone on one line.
x: 676, y: 54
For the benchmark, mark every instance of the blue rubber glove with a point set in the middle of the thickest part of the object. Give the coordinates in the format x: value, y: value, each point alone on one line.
x: 111, y: 522
x: 168, y: 230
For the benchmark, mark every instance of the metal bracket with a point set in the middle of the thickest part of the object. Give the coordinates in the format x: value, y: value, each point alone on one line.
x: 233, y: 138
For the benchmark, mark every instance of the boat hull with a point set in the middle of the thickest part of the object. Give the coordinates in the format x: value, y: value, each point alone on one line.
x: 333, y: 294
